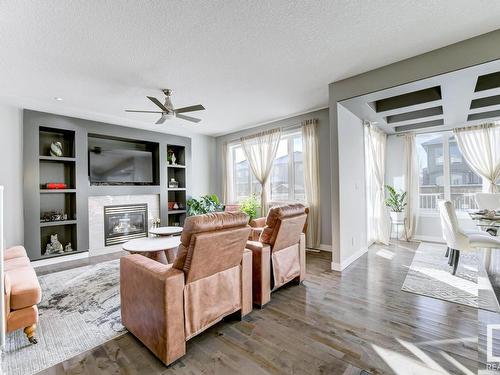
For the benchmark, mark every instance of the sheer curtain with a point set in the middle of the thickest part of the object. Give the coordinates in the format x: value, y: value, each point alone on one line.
x: 311, y: 180
x: 225, y: 174
x: 411, y: 176
x: 480, y: 147
x: 378, y: 218
x: 260, y: 150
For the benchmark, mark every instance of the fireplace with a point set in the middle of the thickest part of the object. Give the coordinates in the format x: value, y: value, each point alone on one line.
x: 125, y: 222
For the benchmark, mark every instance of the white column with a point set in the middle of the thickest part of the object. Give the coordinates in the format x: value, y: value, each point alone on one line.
x: 2, y: 286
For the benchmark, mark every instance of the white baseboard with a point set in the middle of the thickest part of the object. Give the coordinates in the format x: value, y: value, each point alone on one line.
x: 55, y: 260
x: 346, y: 263
x: 321, y: 247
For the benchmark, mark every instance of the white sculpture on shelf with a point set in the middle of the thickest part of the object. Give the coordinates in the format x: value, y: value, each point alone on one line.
x: 54, y: 247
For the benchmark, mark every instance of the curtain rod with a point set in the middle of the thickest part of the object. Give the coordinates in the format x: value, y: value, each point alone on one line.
x: 288, y: 127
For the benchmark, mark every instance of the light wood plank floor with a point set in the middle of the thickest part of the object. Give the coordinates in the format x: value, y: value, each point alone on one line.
x: 333, y: 324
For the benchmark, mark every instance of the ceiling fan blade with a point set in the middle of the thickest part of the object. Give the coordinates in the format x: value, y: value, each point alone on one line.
x: 191, y: 108
x: 188, y: 118
x: 132, y: 110
x: 158, y: 103
x: 161, y: 120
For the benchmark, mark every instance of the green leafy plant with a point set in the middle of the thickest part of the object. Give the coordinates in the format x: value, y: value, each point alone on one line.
x: 204, y: 205
x: 170, y: 153
x: 396, y: 201
x: 250, y: 206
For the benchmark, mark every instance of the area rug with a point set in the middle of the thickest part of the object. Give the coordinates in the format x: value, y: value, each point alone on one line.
x: 430, y: 275
x: 80, y: 310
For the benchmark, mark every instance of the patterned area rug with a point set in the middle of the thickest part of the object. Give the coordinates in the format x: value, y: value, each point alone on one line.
x: 80, y: 310
x: 430, y: 275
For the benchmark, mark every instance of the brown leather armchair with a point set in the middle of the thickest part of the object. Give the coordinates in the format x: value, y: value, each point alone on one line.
x: 211, y: 278
x: 279, y: 254
x: 258, y: 225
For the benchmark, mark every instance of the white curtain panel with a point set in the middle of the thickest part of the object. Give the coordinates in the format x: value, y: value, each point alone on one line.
x: 226, y: 174
x: 260, y: 150
x: 411, y: 176
x: 378, y: 216
x: 480, y: 146
x: 311, y: 181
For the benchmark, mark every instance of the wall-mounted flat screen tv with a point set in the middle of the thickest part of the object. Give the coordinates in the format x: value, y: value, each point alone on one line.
x: 119, y: 162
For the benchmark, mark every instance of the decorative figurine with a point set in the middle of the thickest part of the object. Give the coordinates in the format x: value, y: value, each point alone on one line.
x: 56, y: 149
x: 173, y: 183
x: 176, y: 206
x: 54, y: 247
x: 173, y: 159
x: 68, y: 248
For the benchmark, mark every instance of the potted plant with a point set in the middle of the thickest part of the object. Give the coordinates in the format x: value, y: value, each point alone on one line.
x: 250, y: 206
x: 396, y: 203
x: 204, y: 205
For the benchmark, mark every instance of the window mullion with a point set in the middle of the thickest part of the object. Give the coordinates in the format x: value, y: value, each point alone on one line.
x: 446, y: 167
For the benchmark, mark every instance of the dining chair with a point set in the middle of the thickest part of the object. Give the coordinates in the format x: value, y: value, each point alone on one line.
x: 457, y: 240
x: 488, y: 201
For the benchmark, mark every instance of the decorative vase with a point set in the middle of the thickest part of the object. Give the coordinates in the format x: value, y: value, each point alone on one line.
x: 397, y: 216
x: 56, y: 149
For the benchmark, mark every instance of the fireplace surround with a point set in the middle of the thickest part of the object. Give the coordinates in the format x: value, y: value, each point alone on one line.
x: 125, y: 222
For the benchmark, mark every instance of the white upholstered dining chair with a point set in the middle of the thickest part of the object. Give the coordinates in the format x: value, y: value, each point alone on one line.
x: 457, y: 240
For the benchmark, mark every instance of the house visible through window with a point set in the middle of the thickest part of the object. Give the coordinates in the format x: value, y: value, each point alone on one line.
x: 286, y: 183
x: 444, y: 174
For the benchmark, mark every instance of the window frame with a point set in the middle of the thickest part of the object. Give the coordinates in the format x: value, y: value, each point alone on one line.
x: 447, y: 183
x: 289, y: 136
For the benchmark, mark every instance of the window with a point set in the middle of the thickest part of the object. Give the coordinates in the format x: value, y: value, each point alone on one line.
x: 444, y: 174
x: 286, y: 182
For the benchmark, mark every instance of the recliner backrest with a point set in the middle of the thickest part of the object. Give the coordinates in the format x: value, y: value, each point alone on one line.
x: 284, y: 224
x: 211, y: 243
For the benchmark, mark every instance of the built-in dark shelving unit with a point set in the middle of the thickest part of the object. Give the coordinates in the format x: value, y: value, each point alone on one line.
x: 177, y: 171
x: 57, y: 169
x: 77, y: 136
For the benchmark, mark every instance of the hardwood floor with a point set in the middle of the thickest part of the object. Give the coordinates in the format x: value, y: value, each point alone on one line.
x: 333, y: 324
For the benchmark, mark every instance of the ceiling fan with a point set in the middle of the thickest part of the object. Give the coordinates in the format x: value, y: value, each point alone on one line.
x: 168, y: 111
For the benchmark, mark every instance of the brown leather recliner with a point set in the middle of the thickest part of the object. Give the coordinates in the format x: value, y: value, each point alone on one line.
x: 258, y: 225
x: 279, y: 255
x: 211, y: 278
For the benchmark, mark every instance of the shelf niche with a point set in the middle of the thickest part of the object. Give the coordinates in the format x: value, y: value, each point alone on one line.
x: 49, y: 135
x: 65, y: 234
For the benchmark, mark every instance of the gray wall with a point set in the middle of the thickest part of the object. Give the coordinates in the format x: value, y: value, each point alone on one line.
x: 324, y: 165
x: 11, y: 173
x: 460, y: 55
x: 11, y: 169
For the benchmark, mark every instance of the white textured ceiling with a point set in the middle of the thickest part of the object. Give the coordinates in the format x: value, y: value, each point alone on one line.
x: 247, y: 62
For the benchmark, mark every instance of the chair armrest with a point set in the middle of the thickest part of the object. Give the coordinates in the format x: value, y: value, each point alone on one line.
x: 255, y: 234
x: 258, y: 222
x: 152, y: 305
x: 261, y: 271
x: 246, y: 283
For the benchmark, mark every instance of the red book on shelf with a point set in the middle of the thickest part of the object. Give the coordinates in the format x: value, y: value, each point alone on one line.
x: 56, y: 185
